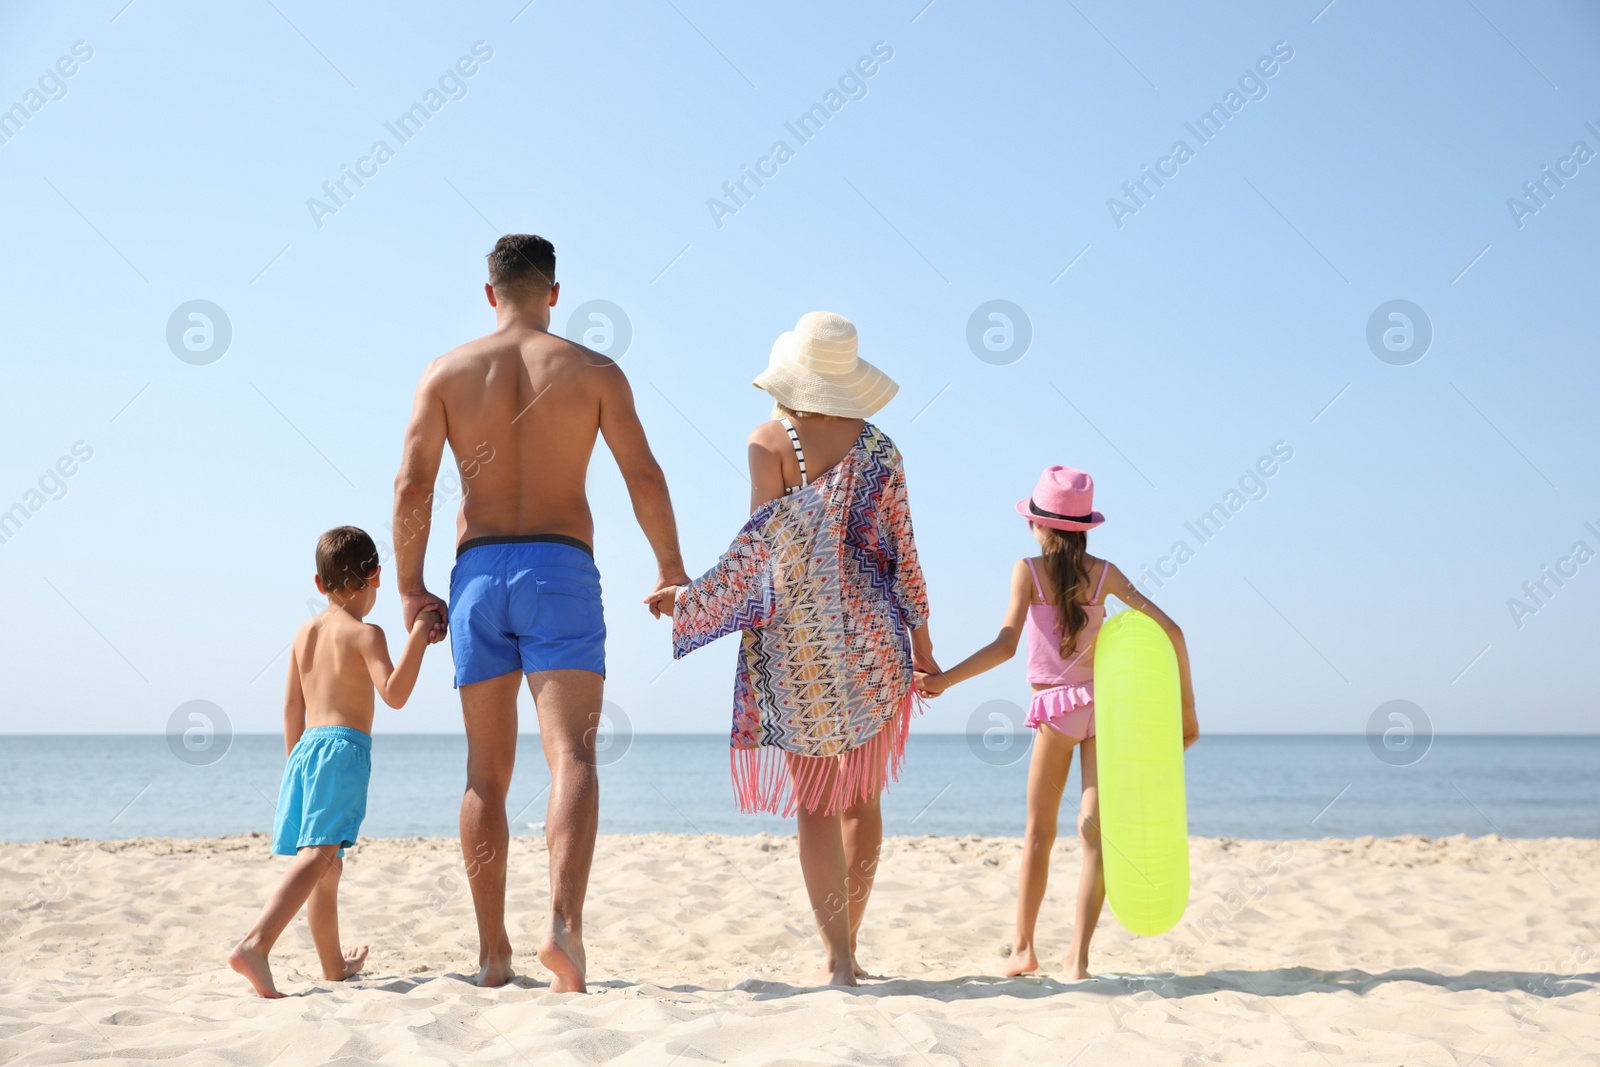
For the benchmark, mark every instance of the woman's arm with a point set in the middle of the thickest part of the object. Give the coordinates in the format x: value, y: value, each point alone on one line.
x: 766, y: 472
x: 996, y: 652
x: 1117, y: 585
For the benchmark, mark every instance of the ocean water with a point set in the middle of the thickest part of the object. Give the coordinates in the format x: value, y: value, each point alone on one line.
x: 1249, y: 786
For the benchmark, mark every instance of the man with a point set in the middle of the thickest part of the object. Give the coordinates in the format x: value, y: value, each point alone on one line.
x: 521, y: 409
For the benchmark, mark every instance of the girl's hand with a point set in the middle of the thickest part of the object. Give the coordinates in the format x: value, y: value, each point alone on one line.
x: 662, y: 601
x: 928, y: 684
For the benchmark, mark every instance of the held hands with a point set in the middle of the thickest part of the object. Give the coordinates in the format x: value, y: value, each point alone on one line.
x: 662, y: 600
x: 428, y: 620
x: 415, y: 605
x: 930, y: 685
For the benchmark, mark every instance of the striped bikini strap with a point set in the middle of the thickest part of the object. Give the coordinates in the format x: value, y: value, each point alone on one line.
x: 799, y: 453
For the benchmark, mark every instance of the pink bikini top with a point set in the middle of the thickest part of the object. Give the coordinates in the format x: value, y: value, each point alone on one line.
x: 1045, y: 629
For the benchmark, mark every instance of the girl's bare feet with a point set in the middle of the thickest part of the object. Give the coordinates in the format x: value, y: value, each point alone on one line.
x: 252, y: 963
x: 1077, y: 972
x: 1023, y: 961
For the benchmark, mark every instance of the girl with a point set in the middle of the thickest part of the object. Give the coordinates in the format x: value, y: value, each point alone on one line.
x: 1059, y: 598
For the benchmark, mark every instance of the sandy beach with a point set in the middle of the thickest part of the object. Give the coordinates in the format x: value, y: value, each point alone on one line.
x: 1390, y: 951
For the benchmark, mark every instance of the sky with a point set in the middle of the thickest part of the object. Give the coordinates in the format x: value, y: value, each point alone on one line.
x: 1341, y: 278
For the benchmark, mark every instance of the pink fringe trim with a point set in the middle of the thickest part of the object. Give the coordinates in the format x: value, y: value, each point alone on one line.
x: 767, y: 778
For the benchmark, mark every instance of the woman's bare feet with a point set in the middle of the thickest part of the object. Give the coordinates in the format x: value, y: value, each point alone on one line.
x: 252, y: 963
x: 1023, y: 961
x: 562, y: 955
x: 833, y: 976
x: 354, y: 961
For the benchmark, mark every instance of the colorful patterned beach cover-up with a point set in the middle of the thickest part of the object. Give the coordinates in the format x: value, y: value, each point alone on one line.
x: 826, y: 586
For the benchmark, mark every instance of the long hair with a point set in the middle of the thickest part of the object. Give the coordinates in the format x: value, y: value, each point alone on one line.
x: 1066, y: 565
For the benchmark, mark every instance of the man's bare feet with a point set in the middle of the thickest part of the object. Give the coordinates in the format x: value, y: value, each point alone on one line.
x: 1023, y: 961
x: 252, y: 963
x: 354, y: 961
x: 562, y: 955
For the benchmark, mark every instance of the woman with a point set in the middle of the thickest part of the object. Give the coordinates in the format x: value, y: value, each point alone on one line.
x: 824, y: 582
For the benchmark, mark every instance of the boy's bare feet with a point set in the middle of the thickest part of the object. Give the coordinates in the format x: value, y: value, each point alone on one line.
x: 354, y: 960
x: 252, y: 963
x: 1023, y: 961
x: 562, y: 955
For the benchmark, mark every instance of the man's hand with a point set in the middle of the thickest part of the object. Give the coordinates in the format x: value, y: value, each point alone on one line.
x: 414, y: 604
x: 662, y: 600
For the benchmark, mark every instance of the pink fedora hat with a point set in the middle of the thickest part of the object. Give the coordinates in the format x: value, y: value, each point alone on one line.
x: 1063, y: 500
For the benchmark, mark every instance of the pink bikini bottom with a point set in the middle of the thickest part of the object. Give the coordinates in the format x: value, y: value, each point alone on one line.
x: 1066, y: 709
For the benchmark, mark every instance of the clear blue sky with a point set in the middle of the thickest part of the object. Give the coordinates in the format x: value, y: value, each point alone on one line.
x: 1226, y: 314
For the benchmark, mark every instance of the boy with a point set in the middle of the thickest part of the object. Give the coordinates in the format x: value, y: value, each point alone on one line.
x: 334, y: 665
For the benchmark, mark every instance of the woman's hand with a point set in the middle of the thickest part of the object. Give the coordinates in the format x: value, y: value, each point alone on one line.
x: 922, y: 651
x: 928, y: 684
x: 663, y: 600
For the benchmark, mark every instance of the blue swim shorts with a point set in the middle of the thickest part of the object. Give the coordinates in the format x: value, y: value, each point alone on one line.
x: 525, y: 603
x: 323, y: 797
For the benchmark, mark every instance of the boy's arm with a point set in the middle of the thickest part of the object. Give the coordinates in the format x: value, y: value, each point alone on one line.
x: 294, y: 704
x: 996, y: 652
x: 394, y: 682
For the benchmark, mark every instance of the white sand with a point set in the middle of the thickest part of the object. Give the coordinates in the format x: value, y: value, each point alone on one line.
x: 1399, y: 951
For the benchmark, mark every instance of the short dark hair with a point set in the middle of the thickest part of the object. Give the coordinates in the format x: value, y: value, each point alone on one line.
x: 346, y: 558
x: 522, y: 263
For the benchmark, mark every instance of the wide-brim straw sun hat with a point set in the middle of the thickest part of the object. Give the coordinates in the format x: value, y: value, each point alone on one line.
x: 814, y: 368
x: 1063, y: 499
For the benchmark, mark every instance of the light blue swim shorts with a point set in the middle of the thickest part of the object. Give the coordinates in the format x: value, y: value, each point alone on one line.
x: 323, y: 797
x: 529, y: 604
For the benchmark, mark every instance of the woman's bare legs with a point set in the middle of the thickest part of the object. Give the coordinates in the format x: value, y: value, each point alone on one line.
x: 822, y: 862
x: 863, y: 841
x: 1092, y: 882
x: 1047, y: 780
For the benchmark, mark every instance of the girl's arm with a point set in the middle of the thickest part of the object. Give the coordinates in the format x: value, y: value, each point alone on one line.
x: 996, y: 652
x: 394, y: 683
x: 294, y: 702
x: 1117, y: 585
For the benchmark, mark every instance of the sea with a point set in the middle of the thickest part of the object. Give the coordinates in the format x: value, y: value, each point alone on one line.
x: 1239, y: 786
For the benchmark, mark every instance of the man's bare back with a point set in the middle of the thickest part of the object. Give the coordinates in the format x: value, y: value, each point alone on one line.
x: 520, y: 409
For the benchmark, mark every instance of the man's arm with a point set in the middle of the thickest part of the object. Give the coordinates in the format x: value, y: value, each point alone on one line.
x: 647, y: 486
x: 413, y: 500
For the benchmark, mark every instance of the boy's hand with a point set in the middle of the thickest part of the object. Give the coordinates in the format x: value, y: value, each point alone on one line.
x: 414, y: 604
x: 432, y: 622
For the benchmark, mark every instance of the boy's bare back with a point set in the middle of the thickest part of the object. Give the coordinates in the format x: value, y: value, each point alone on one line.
x: 331, y: 654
